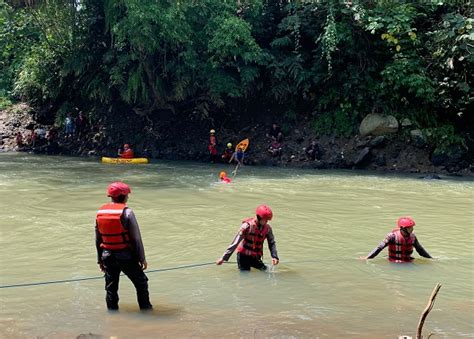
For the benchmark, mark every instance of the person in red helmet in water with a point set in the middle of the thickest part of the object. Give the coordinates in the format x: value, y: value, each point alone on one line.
x: 126, y: 153
x: 400, y: 242
x: 120, y: 248
x: 224, y: 178
x: 249, y: 241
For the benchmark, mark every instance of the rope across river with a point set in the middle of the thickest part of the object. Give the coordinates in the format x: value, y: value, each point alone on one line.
x: 149, y: 271
x: 102, y: 277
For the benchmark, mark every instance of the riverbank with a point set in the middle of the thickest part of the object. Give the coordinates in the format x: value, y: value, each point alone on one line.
x: 178, y: 140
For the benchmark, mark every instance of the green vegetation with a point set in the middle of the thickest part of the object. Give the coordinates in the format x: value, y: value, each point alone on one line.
x: 331, y: 61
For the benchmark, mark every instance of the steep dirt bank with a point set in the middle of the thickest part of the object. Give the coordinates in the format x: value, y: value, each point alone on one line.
x: 187, y: 140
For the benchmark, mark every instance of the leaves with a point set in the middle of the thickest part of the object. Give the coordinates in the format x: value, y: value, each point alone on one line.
x: 328, y: 60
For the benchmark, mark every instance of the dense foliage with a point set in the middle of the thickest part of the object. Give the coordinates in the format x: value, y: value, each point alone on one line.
x: 329, y: 61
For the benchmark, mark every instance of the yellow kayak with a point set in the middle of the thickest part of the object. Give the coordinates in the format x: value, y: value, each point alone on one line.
x: 107, y: 160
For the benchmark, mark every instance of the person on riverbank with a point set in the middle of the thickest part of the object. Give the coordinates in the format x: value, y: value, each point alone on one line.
x: 400, y: 242
x: 275, y: 133
x: 227, y: 154
x: 52, y: 135
x: 212, y: 146
x: 313, y: 151
x: 69, y: 127
x: 238, y: 156
x: 19, y: 139
x: 224, y: 178
x: 126, y: 153
x: 275, y: 148
x: 249, y: 241
x: 120, y: 247
x: 81, y: 125
x: 31, y: 138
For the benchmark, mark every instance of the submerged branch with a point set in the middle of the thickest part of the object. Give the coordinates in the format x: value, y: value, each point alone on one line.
x: 427, y: 310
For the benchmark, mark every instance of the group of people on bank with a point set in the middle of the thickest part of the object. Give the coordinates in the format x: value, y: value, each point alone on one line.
x: 275, y: 148
x: 39, y: 136
x: 120, y: 248
x: 228, y: 155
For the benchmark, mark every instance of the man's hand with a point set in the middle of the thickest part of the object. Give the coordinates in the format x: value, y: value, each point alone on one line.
x: 143, y: 265
x: 275, y: 261
x: 219, y: 261
x: 101, y: 267
x: 363, y: 258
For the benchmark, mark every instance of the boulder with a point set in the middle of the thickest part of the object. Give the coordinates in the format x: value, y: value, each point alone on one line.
x: 418, y: 138
x: 406, y: 122
x: 376, y: 124
x: 377, y: 141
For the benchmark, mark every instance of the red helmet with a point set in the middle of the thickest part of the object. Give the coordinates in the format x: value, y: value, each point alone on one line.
x: 118, y: 188
x: 405, y: 222
x: 264, y: 212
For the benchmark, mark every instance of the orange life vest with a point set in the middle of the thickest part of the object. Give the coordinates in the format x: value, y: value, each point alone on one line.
x: 114, y: 235
x: 127, y: 154
x: 402, y: 248
x: 252, y: 243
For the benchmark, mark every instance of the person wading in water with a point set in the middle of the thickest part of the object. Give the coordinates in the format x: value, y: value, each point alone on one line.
x: 249, y: 241
x: 400, y: 242
x: 120, y: 248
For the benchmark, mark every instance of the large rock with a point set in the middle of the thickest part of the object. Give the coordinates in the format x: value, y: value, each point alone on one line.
x: 377, y: 141
x: 406, y: 122
x: 376, y: 124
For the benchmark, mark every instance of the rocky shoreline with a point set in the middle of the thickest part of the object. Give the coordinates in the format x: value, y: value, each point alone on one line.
x: 400, y: 151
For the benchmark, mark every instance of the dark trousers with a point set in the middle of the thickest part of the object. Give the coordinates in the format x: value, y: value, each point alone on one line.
x: 116, y: 262
x: 246, y: 261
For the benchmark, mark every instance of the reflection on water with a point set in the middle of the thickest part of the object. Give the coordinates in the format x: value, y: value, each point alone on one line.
x: 323, y: 221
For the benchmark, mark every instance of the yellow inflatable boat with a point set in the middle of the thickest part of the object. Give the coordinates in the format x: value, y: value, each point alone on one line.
x: 107, y: 160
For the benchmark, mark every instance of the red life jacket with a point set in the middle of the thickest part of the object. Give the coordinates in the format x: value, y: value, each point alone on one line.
x: 212, y: 145
x: 114, y: 235
x: 127, y: 154
x: 252, y: 243
x: 402, y: 248
x: 212, y: 149
x: 212, y: 140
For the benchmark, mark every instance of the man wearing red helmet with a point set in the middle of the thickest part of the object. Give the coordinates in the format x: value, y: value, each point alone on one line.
x: 400, y: 243
x: 120, y: 248
x: 126, y: 153
x: 249, y: 241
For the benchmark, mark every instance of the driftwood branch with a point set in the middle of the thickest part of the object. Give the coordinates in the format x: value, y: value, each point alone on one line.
x: 427, y: 310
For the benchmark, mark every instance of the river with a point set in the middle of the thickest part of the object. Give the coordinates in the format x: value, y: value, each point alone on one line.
x: 323, y: 222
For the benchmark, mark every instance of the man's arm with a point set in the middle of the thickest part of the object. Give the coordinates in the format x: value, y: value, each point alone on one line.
x: 228, y: 252
x: 135, y: 235
x: 98, y: 241
x: 237, y: 239
x: 272, y: 244
x: 388, y: 239
x: 421, y: 251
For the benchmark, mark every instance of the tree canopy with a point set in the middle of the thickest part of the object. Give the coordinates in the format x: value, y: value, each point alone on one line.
x: 329, y: 61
